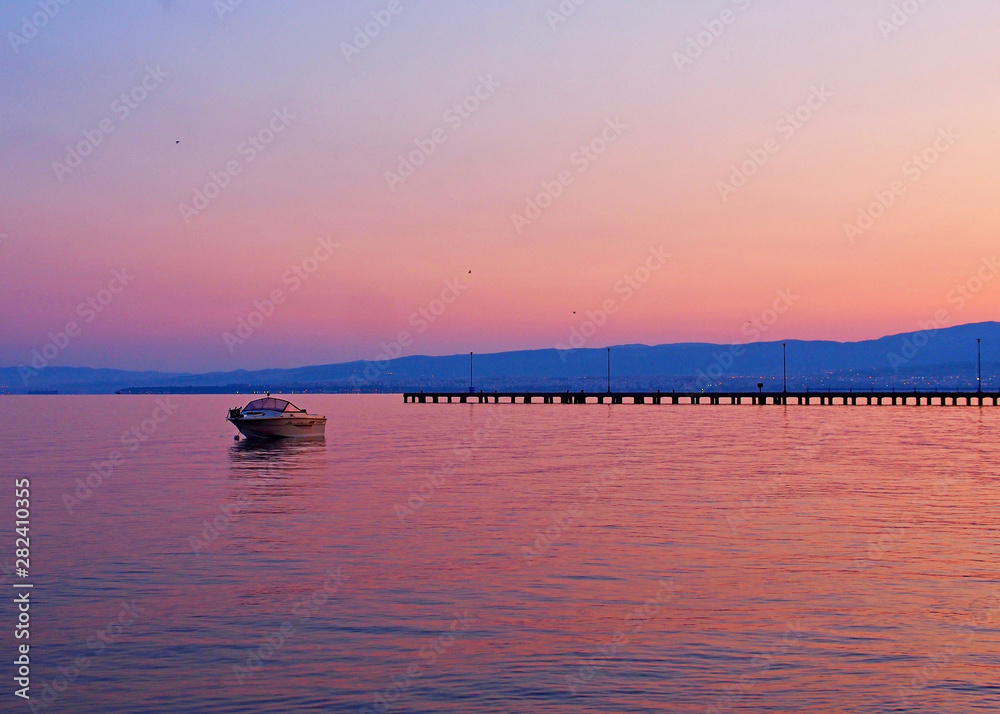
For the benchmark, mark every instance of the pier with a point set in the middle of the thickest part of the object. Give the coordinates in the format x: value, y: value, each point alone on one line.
x: 828, y: 398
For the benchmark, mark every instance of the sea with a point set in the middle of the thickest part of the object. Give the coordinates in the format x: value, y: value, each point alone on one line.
x: 500, y: 558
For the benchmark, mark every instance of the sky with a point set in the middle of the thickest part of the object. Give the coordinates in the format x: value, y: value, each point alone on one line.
x: 199, y: 186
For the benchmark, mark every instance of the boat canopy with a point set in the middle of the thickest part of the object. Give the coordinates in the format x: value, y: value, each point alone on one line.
x: 272, y: 404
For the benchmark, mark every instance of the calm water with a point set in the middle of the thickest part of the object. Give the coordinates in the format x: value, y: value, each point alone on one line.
x: 540, y: 558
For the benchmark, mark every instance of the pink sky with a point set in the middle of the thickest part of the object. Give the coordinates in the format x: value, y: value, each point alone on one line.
x: 545, y: 92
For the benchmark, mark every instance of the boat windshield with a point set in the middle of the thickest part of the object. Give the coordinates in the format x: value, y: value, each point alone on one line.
x: 271, y: 404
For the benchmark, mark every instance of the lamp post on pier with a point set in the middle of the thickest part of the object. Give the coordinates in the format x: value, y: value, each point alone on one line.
x: 979, y: 350
x: 471, y: 387
x: 784, y: 370
x: 609, y: 370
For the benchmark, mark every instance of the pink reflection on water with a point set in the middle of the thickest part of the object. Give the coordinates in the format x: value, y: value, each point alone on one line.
x: 818, y: 558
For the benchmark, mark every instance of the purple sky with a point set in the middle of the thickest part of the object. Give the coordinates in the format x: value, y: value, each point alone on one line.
x: 808, y: 149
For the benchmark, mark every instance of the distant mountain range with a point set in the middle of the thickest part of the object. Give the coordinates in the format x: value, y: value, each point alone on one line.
x: 943, y: 358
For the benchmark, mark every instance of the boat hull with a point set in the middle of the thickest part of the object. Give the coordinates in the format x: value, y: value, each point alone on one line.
x: 281, y: 427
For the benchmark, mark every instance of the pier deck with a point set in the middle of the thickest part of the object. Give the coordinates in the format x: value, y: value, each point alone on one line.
x: 895, y: 398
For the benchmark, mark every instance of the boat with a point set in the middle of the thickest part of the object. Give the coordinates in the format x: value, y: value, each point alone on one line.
x: 271, y: 418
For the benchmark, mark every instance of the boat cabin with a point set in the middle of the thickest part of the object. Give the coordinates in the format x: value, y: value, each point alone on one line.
x: 270, y: 404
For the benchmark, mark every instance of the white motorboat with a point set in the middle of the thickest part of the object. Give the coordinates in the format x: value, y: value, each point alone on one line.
x: 271, y: 418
